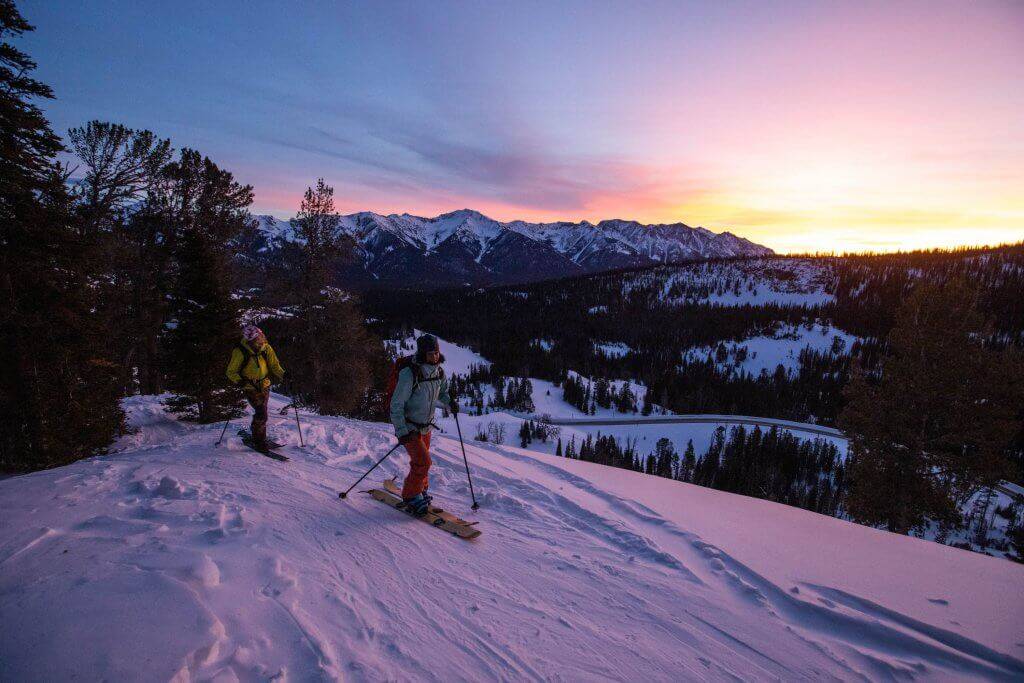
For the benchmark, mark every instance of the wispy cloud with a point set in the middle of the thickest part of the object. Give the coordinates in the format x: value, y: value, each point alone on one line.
x: 799, y: 126
x: 380, y: 146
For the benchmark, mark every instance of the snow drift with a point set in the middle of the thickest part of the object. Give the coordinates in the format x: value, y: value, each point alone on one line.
x: 173, y: 560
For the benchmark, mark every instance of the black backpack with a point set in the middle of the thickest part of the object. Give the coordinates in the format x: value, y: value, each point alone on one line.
x: 247, y: 356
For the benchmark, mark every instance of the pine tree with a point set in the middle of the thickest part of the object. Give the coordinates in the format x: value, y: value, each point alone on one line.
x: 558, y: 448
x: 121, y: 167
x: 329, y: 352
x: 602, y: 393
x: 59, y: 400
x: 664, y: 457
x: 936, y: 425
x: 336, y: 378
x: 587, y: 449
x: 316, y: 224
x: 526, y: 403
x: 29, y: 145
x: 688, y: 463
x: 209, y: 210
x: 707, y: 468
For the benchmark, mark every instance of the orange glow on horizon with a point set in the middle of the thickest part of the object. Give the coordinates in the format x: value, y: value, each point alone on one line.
x: 805, y: 212
x: 855, y: 129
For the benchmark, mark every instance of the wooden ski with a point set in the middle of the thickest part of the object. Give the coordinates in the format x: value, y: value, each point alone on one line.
x: 246, y: 436
x: 445, y: 521
x: 273, y: 455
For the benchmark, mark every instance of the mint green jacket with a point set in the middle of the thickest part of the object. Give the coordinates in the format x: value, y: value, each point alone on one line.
x: 417, y: 405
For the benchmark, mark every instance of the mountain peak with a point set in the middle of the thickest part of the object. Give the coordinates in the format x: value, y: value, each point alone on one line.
x: 464, y: 213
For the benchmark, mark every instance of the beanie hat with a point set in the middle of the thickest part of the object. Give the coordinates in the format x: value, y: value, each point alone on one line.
x: 425, y: 344
x: 252, y: 333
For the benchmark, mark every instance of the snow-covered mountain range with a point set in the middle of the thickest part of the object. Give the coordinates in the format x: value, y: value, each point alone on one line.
x: 466, y: 247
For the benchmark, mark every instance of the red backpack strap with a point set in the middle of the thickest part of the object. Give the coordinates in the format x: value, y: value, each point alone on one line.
x: 407, y: 362
x: 399, y: 365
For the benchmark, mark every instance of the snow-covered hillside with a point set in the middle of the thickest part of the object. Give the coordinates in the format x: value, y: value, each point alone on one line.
x: 457, y: 359
x: 550, y: 405
x: 547, y: 398
x: 467, y: 247
x: 988, y: 514
x: 780, y: 281
x: 764, y: 353
x: 171, y: 559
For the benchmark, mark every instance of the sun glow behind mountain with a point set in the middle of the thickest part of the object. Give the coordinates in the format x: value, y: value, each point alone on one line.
x: 804, y: 126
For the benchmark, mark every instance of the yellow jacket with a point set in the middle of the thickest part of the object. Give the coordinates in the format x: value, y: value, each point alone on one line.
x: 249, y: 367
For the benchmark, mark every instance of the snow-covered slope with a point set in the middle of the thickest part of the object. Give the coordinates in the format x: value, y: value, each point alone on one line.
x: 546, y: 396
x: 570, y: 421
x: 765, y: 353
x: 174, y: 560
x: 467, y: 247
x: 457, y: 359
x: 782, y: 281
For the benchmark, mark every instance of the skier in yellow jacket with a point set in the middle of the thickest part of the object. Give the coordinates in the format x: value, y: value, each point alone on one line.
x: 253, y: 368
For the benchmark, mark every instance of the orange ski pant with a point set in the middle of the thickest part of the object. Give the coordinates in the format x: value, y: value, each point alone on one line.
x: 419, y: 465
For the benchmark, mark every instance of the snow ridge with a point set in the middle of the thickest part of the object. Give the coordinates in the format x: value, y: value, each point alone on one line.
x: 170, y: 559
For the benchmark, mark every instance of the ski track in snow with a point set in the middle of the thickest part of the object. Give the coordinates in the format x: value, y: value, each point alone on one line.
x: 172, y: 559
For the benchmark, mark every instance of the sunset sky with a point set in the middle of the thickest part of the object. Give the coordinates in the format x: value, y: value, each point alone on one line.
x: 817, y: 126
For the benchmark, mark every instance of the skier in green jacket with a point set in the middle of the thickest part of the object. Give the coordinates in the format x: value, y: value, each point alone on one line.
x: 254, y: 367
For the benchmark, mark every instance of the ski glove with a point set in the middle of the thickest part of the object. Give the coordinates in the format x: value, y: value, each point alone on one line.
x: 455, y: 406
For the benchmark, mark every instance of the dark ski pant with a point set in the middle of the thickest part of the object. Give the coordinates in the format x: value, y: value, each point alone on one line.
x: 419, y: 465
x: 258, y: 400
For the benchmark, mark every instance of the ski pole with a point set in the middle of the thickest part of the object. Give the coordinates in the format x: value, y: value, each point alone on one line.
x: 345, y: 493
x: 297, y: 423
x: 476, y: 505
x: 223, y: 431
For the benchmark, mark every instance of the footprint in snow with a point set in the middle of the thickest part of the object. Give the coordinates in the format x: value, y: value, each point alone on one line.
x: 938, y: 601
x: 168, y: 487
x: 205, y: 571
x: 501, y: 501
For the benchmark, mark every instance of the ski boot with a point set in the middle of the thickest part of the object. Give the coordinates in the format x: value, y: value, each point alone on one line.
x: 430, y: 502
x: 417, y: 506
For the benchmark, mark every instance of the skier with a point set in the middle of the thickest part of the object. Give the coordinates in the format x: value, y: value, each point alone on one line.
x: 420, y: 388
x: 253, y: 368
